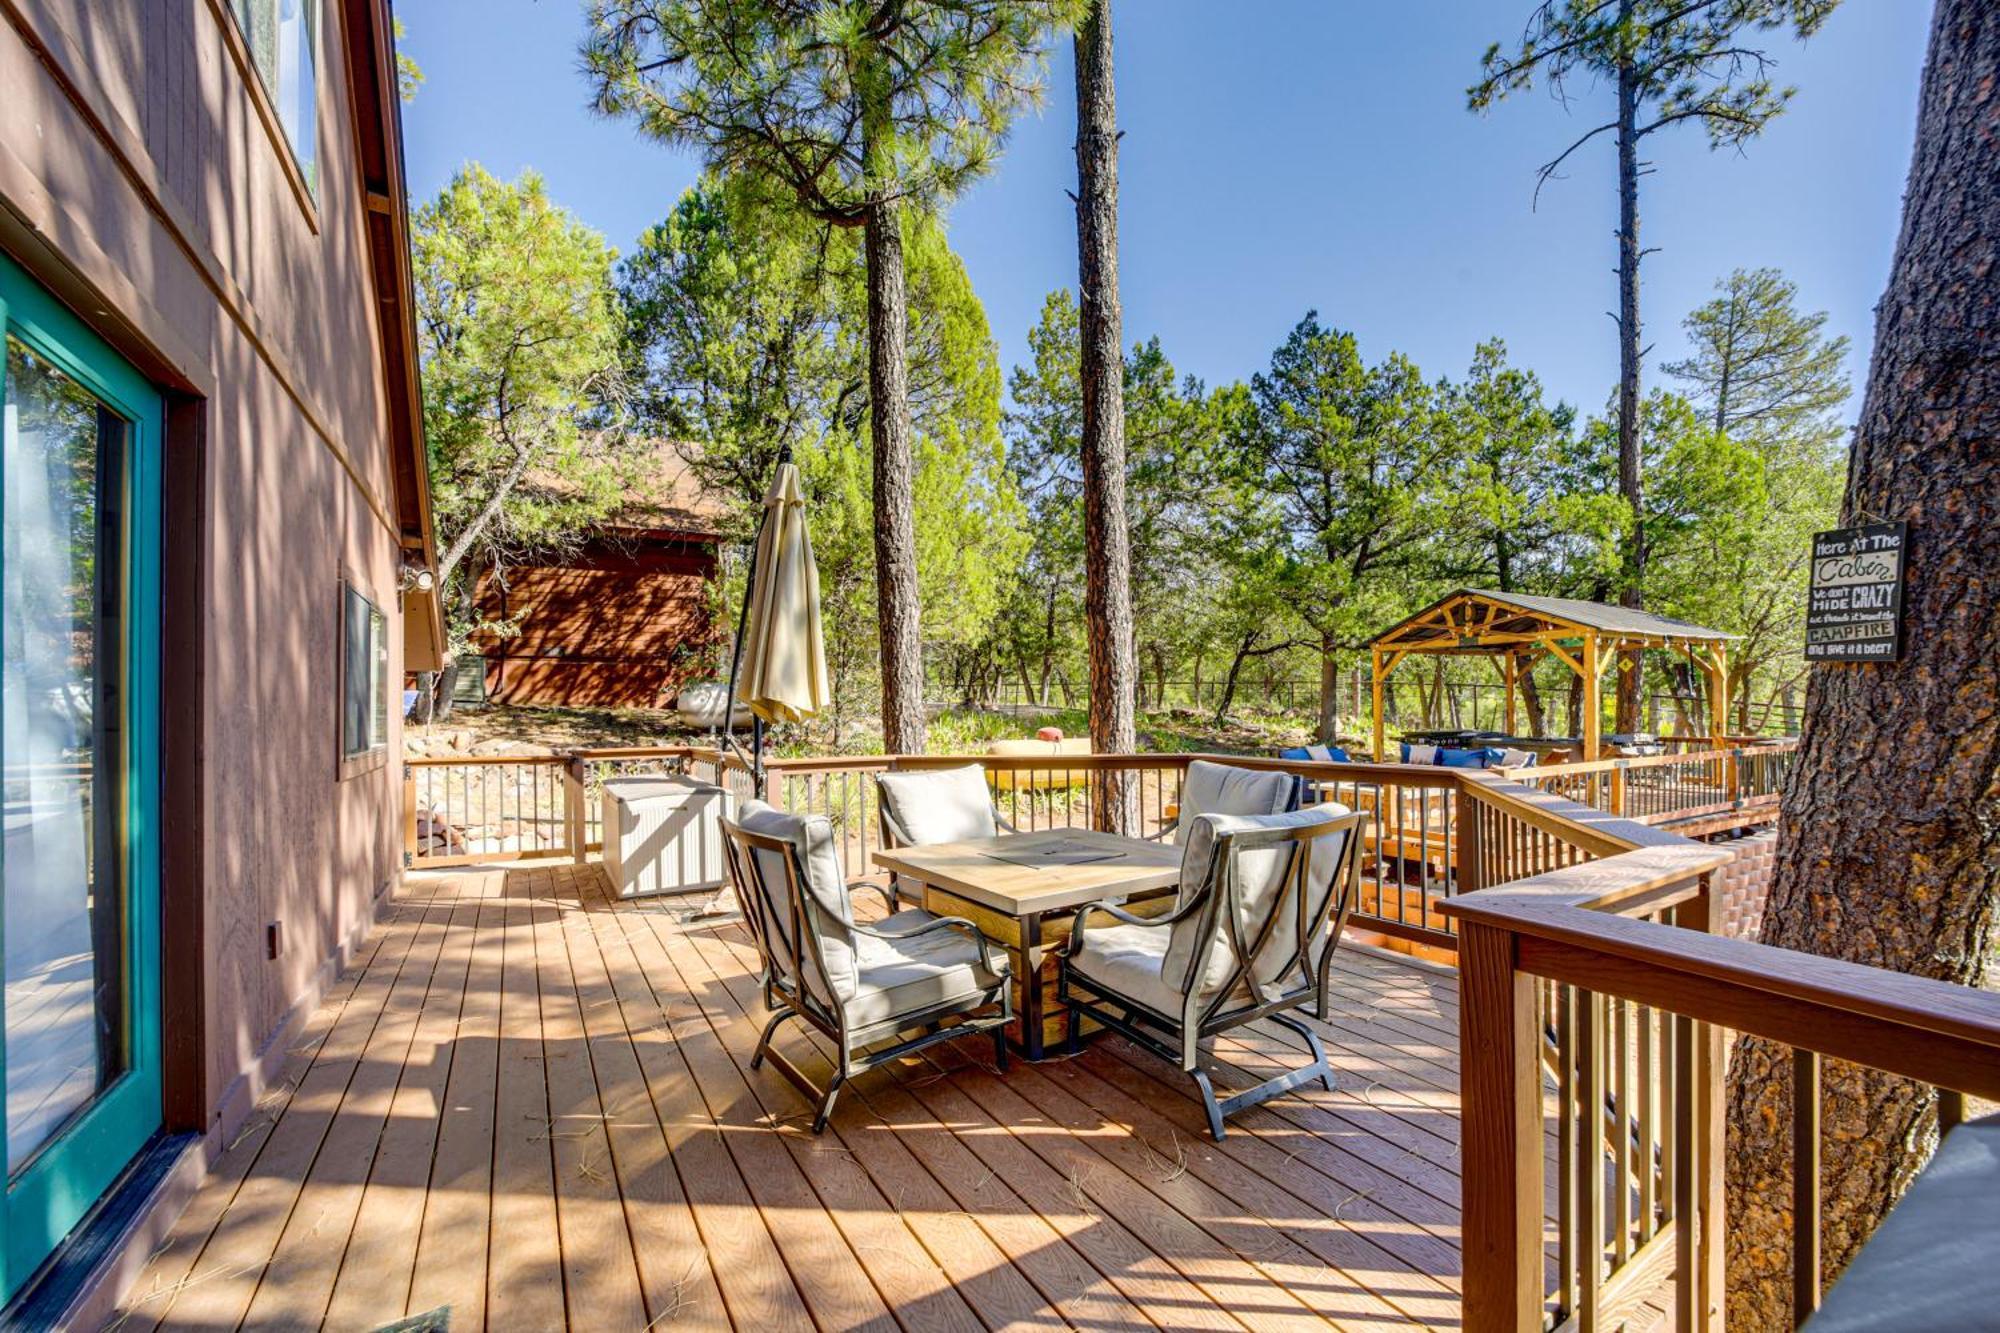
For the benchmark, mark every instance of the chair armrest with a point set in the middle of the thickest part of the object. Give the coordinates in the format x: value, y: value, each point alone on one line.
x: 888, y: 892
x: 931, y: 927
x: 1111, y: 909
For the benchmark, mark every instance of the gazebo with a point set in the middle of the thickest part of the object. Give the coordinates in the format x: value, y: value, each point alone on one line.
x: 1518, y: 631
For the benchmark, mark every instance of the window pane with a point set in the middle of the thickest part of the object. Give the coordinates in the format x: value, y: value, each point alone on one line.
x: 60, y: 731
x: 378, y: 678
x: 281, y: 35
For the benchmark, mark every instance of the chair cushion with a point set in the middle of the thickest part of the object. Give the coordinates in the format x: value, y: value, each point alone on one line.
x: 1125, y: 960
x: 1419, y: 754
x: 940, y: 805
x: 1469, y: 758
x: 1259, y: 891
x: 900, y: 977
x: 825, y: 887
x: 1517, y: 759
x: 1224, y: 789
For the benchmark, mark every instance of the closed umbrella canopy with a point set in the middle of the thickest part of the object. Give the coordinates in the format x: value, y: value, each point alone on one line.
x: 784, y: 655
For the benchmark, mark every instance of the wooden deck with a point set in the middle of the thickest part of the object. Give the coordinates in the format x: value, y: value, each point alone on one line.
x: 532, y: 1106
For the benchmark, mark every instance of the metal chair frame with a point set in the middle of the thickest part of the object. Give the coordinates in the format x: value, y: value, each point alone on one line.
x: 1178, y: 1037
x: 787, y: 953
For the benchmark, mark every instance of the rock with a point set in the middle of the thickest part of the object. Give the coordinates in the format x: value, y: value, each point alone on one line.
x: 701, y: 706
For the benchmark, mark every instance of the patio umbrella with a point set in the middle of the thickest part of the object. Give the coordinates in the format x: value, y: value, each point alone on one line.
x: 781, y: 676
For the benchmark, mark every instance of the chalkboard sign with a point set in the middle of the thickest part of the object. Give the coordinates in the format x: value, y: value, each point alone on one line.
x: 1856, y: 609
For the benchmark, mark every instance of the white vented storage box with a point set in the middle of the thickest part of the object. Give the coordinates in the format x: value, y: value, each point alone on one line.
x: 663, y: 835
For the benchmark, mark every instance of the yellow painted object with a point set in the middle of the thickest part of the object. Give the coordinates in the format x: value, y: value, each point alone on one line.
x: 1039, y: 779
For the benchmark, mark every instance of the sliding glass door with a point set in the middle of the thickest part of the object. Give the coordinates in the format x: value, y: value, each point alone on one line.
x: 79, y: 633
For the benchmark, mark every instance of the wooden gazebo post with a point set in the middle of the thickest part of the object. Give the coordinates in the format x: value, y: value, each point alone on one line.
x: 1718, y: 696
x: 1593, y: 707
x: 1510, y: 670
x: 1375, y: 664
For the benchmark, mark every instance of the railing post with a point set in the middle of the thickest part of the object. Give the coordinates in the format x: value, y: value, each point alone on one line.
x: 409, y: 814
x: 1501, y: 1125
x: 1464, y: 808
x: 1699, y: 1198
x: 1618, y: 791
x: 573, y: 815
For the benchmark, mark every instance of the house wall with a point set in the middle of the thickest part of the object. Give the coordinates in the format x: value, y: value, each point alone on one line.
x: 140, y: 183
x: 620, y: 624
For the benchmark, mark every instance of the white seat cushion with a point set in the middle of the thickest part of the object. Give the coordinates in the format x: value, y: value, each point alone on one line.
x: 940, y: 805
x: 908, y: 976
x: 1225, y: 789
x: 1125, y: 960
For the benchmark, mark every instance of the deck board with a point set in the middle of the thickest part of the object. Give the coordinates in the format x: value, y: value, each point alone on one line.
x: 532, y: 1104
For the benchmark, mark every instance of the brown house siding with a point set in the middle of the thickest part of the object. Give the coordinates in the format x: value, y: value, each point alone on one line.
x: 142, y: 184
x: 620, y: 624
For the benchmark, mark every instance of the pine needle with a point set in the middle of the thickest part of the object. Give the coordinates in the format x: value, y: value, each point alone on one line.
x: 1168, y: 1169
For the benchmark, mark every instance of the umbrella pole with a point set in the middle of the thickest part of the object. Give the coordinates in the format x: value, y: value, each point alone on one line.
x: 736, y: 655
x: 735, y: 669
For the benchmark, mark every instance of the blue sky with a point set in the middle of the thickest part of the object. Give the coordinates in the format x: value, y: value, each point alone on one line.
x: 1302, y: 154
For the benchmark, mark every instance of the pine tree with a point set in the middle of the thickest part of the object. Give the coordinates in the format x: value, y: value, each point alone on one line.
x: 1889, y: 850
x: 1107, y: 543
x: 1667, y: 61
x: 863, y: 112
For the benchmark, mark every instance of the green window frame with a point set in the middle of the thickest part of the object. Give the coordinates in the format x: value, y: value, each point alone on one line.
x: 52, y: 1193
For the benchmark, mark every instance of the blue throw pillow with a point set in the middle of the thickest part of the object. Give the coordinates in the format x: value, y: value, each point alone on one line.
x: 1468, y: 758
x: 1332, y: 754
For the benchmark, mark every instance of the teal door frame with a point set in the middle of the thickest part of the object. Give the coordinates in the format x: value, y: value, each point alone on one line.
x: 46, y: 1200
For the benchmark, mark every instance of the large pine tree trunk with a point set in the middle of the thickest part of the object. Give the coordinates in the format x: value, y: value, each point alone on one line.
x: 1630, y: 481
x: 1107, y: 546
x: 1890, y: 850
x: 1329, y: 689
x: 895, y: 489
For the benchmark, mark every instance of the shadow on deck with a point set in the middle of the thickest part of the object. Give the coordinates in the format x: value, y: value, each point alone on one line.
x: 532, y: 1105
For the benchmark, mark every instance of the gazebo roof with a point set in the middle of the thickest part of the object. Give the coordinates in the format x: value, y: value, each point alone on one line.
x: 1474, y: 620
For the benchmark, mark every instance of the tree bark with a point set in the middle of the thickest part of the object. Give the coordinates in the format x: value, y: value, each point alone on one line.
x: 1889, y: 852
x: 1107, y: 543
x: 1531, y: 700
x: 1243, y: 652
x: 1630, y: 480
x: 896, y: 597
x: 1329, y: 690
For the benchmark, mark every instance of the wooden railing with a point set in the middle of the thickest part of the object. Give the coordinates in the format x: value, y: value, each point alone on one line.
x: 1426, y: 844
x: 1677, y: 787
x: 479, y: 809
x: 1595, y: 995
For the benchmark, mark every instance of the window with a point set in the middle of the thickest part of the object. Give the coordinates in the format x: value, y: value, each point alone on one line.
x: 364, y: 676
x: 283, y: 39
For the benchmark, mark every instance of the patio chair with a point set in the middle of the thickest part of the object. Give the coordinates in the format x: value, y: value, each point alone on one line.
x: 864, y: 986
x: 1226, y: 789
x: 1263, y: 901
x: 926, y: 806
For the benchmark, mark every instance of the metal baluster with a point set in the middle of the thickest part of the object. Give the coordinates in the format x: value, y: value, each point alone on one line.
x: 1805, y: 1183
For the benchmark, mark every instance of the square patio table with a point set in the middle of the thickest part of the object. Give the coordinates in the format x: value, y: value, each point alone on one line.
x: 1022, y: 891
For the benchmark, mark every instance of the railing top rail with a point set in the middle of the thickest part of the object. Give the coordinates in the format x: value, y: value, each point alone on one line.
x: 1595, y: 831
x: 1626, y: 763
x: 641, y: 752
x: 477, y: 760
x: 1844, y: 1009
